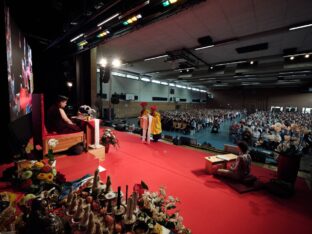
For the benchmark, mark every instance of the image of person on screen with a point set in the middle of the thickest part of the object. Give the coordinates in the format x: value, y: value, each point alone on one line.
x: 57, y: 120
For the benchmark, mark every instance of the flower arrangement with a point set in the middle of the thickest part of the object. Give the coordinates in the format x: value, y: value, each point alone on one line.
x: 52, y: 144
x: 85, y: 109
x: 109, y: 138
x: 290, y: 147
x: 30, y: 176
x: 157, y: 207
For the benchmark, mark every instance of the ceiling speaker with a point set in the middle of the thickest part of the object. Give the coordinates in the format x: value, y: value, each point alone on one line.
x: 207, y: 40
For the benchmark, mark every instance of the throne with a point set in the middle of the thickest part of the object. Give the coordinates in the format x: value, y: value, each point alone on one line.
x: 41, y: 136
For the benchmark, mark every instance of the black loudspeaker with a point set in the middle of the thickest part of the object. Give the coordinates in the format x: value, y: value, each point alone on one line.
x: 106, y: 114
x: 105, y: 74
x: 115, y: 99
x: 171, y: 91
x: 205, y: 40
x: 187, y: 141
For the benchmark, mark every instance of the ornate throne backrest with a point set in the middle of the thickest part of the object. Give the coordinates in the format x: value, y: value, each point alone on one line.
x: 41, y: 136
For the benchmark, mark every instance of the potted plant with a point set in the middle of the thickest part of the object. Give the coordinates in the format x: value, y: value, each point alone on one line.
x: 108, y: 138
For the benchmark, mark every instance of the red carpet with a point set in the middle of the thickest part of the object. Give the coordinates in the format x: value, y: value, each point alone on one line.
x: 207, y: 205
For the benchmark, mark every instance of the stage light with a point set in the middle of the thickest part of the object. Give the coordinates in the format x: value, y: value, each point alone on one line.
x: 103, y: 34
x: 132, y: 19
x: 292, y: 58
x: 103, y: 62
x: 251, y: 62
x: 116, y: 62
x: 307, y: 56
x: 82, y: 43
x: 166, y: 3
x: 69, y: 84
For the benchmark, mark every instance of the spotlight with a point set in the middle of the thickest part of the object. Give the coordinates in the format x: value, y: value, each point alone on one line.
x: 307, y: 56
x: 103, y: 62
x: 251, y: 62
x: 69, y: 84
x: 116, y: 63
x: 292, y: 58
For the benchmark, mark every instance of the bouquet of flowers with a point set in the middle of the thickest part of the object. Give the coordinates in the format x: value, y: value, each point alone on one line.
x: 291, y: 147
x: 109, y: 138
x: 52, y: 144
x: 157, y: 207
x: 32, y: 176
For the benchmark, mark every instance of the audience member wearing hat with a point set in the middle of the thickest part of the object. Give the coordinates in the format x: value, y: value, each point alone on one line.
x: 156, y: 124
x: 57, y: 120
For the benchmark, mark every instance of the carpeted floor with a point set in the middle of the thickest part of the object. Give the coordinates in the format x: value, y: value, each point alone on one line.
x: 207, y: 205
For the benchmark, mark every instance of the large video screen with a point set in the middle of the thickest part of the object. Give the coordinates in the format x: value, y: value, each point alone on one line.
x: 20, y: 75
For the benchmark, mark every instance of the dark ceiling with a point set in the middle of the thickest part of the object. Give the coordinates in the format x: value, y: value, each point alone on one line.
x: 54, y: 23
x: 252, y: 41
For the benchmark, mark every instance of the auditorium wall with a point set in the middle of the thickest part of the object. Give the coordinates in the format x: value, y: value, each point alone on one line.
x: 261, y: 99
x: 129, y: 109
x: 146, y: 90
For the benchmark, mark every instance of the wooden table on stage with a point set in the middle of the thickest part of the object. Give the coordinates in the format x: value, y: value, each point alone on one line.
x: 87, y: 126
x: 227, y: 157
x: 211, y: 161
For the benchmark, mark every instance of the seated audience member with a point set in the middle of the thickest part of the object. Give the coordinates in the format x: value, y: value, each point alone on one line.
x: 241, y: 168
x: 57, y: 120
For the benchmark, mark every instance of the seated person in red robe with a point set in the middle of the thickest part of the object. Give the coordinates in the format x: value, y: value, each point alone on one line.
x: 241, y: 168
x: 57, y: 120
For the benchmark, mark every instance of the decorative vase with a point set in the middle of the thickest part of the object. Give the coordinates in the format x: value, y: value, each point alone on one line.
x: 52, y: 163
x: 106, y: 148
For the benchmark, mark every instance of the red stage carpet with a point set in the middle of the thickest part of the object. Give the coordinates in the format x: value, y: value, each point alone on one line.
x: 207, y: 205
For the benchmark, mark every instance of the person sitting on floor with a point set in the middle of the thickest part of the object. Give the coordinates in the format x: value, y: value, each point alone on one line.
x: 57, y: 120
x: 241, y: 168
